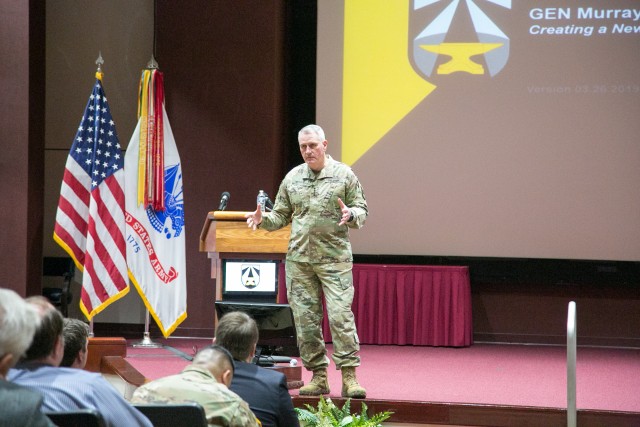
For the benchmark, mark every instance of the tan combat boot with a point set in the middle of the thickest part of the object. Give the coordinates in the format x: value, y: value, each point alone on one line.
x: 318, y: 384
x: 350, y: 386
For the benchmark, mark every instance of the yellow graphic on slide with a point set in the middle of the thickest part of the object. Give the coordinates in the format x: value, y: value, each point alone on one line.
x: 461, y: 54
x: 380, y: 86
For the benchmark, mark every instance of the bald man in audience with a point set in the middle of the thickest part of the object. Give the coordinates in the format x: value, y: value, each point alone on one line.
x: 67, y: 389
x: 206, y: 382
x: 19, y: 406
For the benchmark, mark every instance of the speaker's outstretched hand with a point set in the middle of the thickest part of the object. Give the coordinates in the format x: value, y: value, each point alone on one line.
x: 254, y: 218
x: 346, y: 212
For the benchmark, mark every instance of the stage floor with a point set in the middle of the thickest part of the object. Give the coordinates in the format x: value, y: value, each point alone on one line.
x: 532, y: 376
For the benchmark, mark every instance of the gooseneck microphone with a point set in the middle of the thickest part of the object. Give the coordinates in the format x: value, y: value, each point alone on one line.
x: 268, y: 204
x: 224, y: 200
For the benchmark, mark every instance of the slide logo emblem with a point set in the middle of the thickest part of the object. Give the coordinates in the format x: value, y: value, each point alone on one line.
x: 250, y: 275
x: 387, y: 70
x: 430, y: 42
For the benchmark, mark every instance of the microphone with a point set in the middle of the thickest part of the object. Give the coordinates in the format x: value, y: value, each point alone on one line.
x: 268, y: 204
x: 224, y: 200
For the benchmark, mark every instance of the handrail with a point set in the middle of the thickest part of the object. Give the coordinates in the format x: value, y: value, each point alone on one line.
x: 571, y: 365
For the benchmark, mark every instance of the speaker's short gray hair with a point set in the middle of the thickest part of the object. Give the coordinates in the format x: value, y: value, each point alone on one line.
x: 312, y: 130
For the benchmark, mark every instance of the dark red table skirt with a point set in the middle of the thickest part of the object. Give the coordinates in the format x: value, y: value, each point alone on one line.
x: 408, y: 305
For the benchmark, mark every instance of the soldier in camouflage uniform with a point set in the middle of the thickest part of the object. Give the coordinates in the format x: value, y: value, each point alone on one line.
x: 205, y: 381
x: 322, y: 199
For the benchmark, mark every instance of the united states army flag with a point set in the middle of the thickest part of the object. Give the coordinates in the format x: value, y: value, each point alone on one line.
x: 155, y: 229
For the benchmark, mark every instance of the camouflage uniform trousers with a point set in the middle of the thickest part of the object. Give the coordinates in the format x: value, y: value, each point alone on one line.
x: 306, y: 283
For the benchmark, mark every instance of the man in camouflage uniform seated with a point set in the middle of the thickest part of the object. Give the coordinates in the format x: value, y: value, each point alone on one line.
x: 206, y: 382
x: 321, y: 198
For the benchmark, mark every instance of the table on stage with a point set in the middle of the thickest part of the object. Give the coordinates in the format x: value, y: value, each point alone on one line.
x: 408, y: 305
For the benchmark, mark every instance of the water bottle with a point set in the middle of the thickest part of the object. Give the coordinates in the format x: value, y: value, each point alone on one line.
x: 262, y: 200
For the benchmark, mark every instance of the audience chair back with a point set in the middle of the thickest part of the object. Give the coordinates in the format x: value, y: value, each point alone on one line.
x: 80, y: 417
x: 174, y: 414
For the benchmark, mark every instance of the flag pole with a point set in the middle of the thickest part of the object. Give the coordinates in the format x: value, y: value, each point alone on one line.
x: 146, y: 341
x: 99, y: 62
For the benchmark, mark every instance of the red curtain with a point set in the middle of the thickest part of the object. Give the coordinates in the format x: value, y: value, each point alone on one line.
x: 408, y: 305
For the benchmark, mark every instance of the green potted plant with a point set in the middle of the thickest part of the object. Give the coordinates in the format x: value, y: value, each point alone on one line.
x: 327, y: 414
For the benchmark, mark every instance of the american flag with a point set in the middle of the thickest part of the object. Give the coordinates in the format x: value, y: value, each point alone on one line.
x: 90, y: 221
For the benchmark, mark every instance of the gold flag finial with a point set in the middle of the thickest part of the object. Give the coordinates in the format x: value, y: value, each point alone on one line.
x: 99, y: 61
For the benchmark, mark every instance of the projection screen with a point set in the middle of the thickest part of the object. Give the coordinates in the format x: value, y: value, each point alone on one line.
x: 489, y: 128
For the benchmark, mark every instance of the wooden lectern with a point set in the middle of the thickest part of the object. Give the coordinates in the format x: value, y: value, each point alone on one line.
x: 225, y: 235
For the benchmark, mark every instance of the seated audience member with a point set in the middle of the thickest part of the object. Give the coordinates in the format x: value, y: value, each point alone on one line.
x: 206, y: 382
x: 67, y: 389
x: 19, y: 406
x: 76, y: 343
x: 265, y: 390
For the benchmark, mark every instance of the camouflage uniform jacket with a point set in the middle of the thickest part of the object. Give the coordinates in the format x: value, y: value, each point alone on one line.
x: 309, y: 201
x: 194, y: 384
